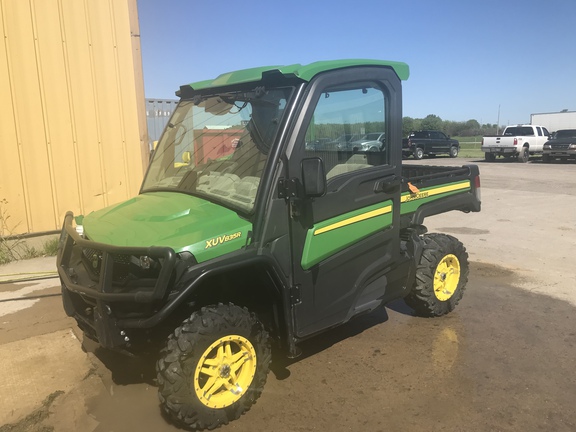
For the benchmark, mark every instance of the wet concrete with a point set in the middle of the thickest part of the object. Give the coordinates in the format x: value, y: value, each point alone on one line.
x: 504, y: 360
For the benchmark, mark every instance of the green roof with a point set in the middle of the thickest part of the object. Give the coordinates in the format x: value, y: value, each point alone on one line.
x: 304, y: 72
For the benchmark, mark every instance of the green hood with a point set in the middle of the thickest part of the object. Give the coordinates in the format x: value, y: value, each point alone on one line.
x: 182, y: 222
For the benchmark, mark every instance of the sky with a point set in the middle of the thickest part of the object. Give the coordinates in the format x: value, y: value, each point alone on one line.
x: 495, y: 61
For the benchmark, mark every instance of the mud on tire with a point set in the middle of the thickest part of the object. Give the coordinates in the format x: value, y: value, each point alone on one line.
x: 214, y: 367
x: 441, y: 276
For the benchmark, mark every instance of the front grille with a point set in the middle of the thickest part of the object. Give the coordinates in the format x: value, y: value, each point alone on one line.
x: 93, y: 262
x: 559, y: 146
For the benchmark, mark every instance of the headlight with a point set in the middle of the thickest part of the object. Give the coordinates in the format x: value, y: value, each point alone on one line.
x: 80, y: 230
x: 547, y: 147
x: 572, y: 146
x: 145, y: 262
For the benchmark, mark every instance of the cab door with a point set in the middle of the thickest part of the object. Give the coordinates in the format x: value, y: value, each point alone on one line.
x: 438, y: 142
x: 345, y: 244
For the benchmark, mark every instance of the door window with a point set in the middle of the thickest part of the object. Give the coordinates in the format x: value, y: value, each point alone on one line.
x: 348, y: 129
x: 539, y: 131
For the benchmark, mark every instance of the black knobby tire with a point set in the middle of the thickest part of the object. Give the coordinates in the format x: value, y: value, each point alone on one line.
x: 546, y: 158
x: 226, y: 344
x: 441, y: 276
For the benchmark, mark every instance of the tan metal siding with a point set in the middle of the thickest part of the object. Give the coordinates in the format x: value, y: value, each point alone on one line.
x: 73, y: 121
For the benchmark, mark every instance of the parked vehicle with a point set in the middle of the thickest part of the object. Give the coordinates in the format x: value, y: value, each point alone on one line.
x: 319, y: 144
x: 342, y: 141
x: 555, y: 121
x: 562, y: 145
x: 518, y: 141
x: 429, y: 143
x: 229, y: 251
x: 369, y: 142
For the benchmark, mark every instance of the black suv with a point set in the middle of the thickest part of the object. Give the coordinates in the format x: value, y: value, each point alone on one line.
x: 429, y: 142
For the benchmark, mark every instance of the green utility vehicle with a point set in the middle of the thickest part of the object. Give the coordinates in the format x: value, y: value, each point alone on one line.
x: 244, y: 238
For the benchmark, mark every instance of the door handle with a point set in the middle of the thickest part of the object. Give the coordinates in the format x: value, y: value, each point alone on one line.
x: 387, y: 186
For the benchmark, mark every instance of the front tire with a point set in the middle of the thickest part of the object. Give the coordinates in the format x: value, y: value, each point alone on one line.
x: 214, y: 367
x: 441, y: 276
x: 418, y: 153
x: 453, y: 151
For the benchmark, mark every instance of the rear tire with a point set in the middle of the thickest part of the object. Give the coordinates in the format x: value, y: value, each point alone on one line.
x: 489, y: 157
x: 441, y: 276
x: 418, y: 153
x: 214, y: 367
x: 524, y: 155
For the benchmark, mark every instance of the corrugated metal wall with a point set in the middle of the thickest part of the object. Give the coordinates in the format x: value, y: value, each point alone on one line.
x: 72, y: 115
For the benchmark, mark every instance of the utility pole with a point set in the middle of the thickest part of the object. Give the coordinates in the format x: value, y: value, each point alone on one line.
x: 498, y: 121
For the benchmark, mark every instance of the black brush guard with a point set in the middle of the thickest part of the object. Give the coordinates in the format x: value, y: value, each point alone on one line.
x: 97, y: 297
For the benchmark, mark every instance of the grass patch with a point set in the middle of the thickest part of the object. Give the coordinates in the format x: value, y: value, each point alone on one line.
x: 50, y: 247
x: 471, y: 149
x: 17, y: 249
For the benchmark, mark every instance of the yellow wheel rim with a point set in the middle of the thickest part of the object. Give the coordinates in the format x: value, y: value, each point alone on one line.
x: 225, y: 371
x: 446, y: 277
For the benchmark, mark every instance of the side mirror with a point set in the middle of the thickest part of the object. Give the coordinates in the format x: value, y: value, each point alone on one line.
x: 313, y: 177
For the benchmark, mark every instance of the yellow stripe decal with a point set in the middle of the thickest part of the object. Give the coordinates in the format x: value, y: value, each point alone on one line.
x: 436, y: 191
x: 350, y: 221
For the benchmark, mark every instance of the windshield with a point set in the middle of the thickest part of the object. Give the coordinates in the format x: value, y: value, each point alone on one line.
x: 565, y: 133
x: 216, y: 146
x: 519, y: 131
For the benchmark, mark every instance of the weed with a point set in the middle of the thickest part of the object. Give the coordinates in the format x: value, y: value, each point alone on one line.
x: 14, y: 248
x: 50, y: 247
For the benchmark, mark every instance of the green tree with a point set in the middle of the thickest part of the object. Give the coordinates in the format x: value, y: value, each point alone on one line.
x: 410, y: 124
x: 453, y: 128
x: 432, y: 121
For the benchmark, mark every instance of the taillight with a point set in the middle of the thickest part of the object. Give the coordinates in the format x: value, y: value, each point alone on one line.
x: 477, y: 187
x: 515, y: 141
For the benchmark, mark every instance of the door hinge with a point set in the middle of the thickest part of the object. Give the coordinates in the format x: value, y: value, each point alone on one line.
x: 295, y: 294
x: 290, y: 190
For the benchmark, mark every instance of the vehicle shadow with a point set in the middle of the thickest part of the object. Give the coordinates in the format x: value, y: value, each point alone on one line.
x: 125, y: 369
x: 317, y: 344
x: 554, y: 161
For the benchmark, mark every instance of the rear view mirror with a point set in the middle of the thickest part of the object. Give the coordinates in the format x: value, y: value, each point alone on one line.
x: 313, y: 177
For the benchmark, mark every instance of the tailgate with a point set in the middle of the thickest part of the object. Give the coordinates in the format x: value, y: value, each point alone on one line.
x: 498, y: 141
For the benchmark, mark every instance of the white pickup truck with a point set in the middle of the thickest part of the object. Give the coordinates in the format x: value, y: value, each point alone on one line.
x: 518, y: 141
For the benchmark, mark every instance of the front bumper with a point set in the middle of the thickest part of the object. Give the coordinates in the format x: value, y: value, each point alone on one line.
x: 106, y: 290
x: 560, y: 153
